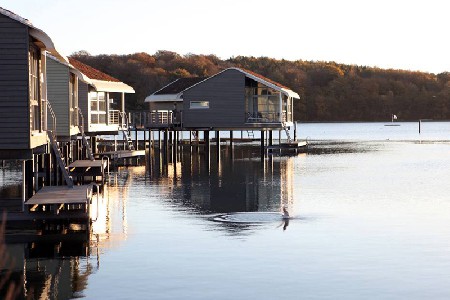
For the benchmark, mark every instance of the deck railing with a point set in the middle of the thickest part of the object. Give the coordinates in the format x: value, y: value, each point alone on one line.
x: 262, y: 117
x: 157, y: 118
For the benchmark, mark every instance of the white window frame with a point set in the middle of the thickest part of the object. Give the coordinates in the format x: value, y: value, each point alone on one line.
x: 97, y: 112
x: 199, y: 104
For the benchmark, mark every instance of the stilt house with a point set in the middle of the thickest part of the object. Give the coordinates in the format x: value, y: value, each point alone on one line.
x: 23, y: 86
x: 232, y: 99
x: 101, y: 101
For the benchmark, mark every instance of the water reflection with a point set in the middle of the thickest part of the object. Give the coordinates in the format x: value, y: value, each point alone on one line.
x: 55, y: 261
x: 240, y: 181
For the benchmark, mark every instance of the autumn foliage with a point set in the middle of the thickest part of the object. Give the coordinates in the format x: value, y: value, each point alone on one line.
x: 329, y: 91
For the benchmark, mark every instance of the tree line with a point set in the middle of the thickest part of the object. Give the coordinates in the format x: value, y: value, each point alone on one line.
x: 329, y: 91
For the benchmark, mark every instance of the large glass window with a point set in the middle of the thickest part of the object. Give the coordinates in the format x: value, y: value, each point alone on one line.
x: 73, y: 99
x: 262, y: 103
x: 35, y: 88
x: 98, y: 107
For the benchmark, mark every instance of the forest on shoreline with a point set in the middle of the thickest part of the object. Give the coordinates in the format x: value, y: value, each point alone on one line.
x: 329, y: 91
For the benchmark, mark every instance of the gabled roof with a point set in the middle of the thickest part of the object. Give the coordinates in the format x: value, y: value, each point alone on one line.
x: 99, y: 80
x: 44, y: 41
x: 173, y: 91
x: 261, y: 79
x: 72, y: 69
x: 179, y: 85
x: 91, y: 72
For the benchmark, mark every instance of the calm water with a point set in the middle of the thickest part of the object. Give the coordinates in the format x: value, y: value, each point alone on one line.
x: 370, y: 210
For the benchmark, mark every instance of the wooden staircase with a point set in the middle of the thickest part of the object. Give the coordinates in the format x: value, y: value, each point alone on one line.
x: 288, y: 134
x: 84, y: 138
x: 60, y: 159
x: 126, y: 132
x: 55, y: 148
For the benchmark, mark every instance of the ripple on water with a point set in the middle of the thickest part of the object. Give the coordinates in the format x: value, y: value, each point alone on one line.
x: 249, y: 217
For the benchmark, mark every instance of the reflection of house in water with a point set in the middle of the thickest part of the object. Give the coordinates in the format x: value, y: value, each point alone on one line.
x: 50, y: 269
x: 56, y: 263
x: 231, y: 184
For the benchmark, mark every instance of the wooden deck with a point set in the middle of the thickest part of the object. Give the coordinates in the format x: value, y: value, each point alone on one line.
x: 295, y: 145
x: 79, y: 194
x: 61, y: 200
x: 84, y: 168
x: 87, y: 163
x: 122, y: 154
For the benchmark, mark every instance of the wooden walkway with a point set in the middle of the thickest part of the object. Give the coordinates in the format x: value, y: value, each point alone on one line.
x: 61, y: 199
x: 79, y: 194
x: 84, y: 168
x: 87, y: 163
x: 122, y: 154
x: 292, y: 146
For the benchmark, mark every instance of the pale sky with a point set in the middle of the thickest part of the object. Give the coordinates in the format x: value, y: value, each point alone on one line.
x: 399, y: 34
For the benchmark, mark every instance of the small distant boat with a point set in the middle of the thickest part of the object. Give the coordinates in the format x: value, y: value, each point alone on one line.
x: 393, y: 117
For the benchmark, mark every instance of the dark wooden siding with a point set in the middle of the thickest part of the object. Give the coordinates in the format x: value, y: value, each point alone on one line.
x: 58, y: 95
x: 83, y: 103
x: 14, y: 106
x: 226, y: 95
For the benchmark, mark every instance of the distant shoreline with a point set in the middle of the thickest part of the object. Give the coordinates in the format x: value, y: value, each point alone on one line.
x: 387, y: 121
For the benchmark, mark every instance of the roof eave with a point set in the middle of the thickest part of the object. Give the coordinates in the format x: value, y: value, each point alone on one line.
x: 164, y: 98
x: 47, y: 43
x: 111, y: 86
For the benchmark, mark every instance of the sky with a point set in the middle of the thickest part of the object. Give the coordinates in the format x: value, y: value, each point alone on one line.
x: 399, y: 34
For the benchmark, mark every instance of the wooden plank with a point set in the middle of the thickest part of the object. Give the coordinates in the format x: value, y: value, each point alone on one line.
x: 123, y: 153
x: 61, y: 195
x: 87, y: 163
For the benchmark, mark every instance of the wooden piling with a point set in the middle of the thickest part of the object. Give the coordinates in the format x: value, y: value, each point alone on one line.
x: 136, y: 138
x: 262, y: 142
x: 207, y: 142
x: 218, y: 144
x: 24, y: 190
x: 295, y: 131
x: 231, y: 139
x: 29, y: 177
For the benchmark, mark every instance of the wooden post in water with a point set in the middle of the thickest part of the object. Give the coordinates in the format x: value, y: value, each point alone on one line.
x: 175, y: 147
x: 94, y: 144
x: 262, y: 142
x: 231, y: 138
x: 166, y: 143
x: 295, y: 131
x: 145, y: 140
x: 48, y: 169
x: 152, y: 138
x: 29, y: 177
x: 35, y: 172
x: 24, y: 196
x: 136, y: 137
x: 41, y: 168
x: 207, y: 150
x: 206, y: 139
x: 159, y: 140
x: 218, y: 144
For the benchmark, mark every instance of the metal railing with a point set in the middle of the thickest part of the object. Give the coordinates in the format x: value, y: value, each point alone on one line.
x: 53, y: 115
x: 262, y: 117
x: 156, y: 118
